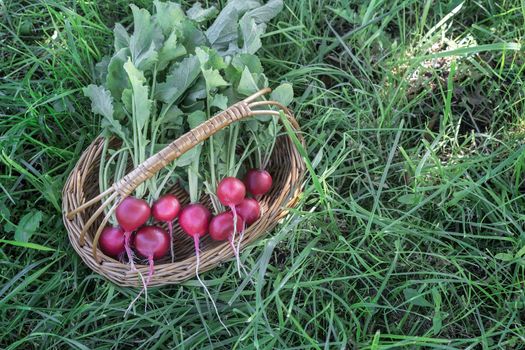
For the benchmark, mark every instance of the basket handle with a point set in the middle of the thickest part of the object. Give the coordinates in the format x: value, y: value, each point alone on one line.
x: 125, y: 186
x: 192, y: 138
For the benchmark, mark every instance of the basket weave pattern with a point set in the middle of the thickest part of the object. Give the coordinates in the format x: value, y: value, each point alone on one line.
x: 84, y: 221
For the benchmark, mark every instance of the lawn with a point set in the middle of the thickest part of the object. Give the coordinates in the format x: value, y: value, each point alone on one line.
x: 409, y: 234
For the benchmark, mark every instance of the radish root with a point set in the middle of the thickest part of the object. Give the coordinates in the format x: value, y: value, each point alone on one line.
x: 235, y: 251
x: 127, y: 236
x: 197, y: 255
x: 145, y: 285
x: 170, y: 228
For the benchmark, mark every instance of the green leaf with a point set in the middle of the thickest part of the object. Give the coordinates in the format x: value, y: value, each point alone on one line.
x: 178, y: 80
x: 198, y: 14
x: 169, y: 52
x: 188, y: 157
x: 28, y: 226
x: 168, y: 15
x: 121, y: 37
x: 209, y: 58
x: 141, y: 103
x: 410, y: 198
x: 247, y: 60
x: 223, y: 31
x: 247, y: 85
x: 172, y: 116
x: 101, y: 69
x: 127, y: 99
x: 117, y: 79
x: 213, y: 79
x: 283, y: 94
x: 220, y: 101
x: 196, y: 92
x: 27, y: 245
x: 102, y: 103
x: 146, y: 38
x: 233, y: 71
x: 196, y: 118
x: 265, y: 13
x: 437, y: 319
x: 504, y: 256
x: 101, y: 100
x: 192, y: 36
x: 413, y: 296
x: 251, y: 35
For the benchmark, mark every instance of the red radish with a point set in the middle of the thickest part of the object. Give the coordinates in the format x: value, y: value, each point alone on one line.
x: 222, y: 228
x: 194, y: 219
x: 131, y: 214
x: 151, y: 242
x: 111, y: 241
x: 258, y: 181
x: 249, y: 209
x: 166, y: 209
x: 231, y: 191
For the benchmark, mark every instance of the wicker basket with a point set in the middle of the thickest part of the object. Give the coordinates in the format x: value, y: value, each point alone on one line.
x: 84, y: 220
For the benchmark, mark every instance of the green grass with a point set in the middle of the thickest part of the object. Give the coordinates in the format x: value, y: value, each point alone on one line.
x: 410, y: 232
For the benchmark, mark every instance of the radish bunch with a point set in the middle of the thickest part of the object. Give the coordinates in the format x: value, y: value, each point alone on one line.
x: 150, y: 242
x: 244, y: 211
x: 153, y: 242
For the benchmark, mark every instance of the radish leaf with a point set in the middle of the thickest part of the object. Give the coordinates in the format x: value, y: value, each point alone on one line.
x: 170, y: 51
x: 168, y: 16
x: 146, y: 37
x: 198, y: 14
x: 141, y: 103
x: 179, y: 80
x: 283, y: 94
x: 117, y: 79
x: 121, y: 37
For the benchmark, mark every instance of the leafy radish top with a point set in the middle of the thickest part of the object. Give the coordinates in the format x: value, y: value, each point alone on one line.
x: 173, y: 70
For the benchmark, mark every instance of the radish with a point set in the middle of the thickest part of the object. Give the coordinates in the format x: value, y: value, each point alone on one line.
x: 231, y: 192
x: 194, y: 220
x: 258, y: 181
x: 166, y: 209
x: 131, y: 214
x: 249, y: 209
x: 221, y: 228
x: 150, y: 242
x: 111, y: 241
